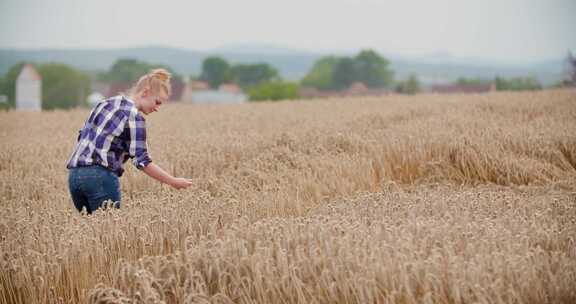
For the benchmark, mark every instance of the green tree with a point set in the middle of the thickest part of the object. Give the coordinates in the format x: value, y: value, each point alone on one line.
x: 409, y: 86
x: 337, y: 73
x: 320, y: 76
x: 472, y: 81
x: 130, y: 70
x: 372, y: 69
x: 500, y: 83
x: 63, y: 86
x: 517, y: 84
x: 8, y: 86
x: 3, y: 105
x: 570, y: 73
x: 275, y: 90
x: 215, y: 71
x: 247, y: 75
x: 127, y: 70
x: 344, y: 74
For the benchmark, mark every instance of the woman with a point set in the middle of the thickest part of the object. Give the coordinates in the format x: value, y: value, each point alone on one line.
x: 114, y: 132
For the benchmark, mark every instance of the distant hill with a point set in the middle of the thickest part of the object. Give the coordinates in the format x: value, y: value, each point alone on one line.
x: 292, y: 64
x: 547, y: 73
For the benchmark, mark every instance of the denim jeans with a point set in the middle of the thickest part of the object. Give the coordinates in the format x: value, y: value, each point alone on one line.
x: 93, y: 185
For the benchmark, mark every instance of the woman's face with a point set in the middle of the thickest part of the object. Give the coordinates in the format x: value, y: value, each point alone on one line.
x: 152, y: 101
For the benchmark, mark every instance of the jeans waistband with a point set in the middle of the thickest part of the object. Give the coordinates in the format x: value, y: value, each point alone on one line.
x: 93, y: 168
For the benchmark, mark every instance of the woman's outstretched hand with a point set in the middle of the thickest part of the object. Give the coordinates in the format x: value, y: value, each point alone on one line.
x: 160, y: 175
x: 181, y: 183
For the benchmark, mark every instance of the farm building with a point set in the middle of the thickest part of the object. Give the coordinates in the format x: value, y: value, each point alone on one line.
x: 29, y: 89
x: 199, y: 92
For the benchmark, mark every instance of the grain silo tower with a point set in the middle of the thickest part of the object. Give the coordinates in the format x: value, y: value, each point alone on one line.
x: 29, y: 89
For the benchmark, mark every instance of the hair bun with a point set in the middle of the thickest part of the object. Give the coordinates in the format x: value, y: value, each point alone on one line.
x: 160, y: 74
x: 155, y: 80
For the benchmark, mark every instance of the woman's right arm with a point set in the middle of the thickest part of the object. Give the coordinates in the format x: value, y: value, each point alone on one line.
x: 162, y: 176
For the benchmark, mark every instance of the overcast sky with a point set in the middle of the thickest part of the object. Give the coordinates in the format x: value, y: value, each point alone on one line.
x: 504, y: 30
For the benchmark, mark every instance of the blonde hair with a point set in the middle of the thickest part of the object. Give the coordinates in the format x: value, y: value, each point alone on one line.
x: 155, y: 80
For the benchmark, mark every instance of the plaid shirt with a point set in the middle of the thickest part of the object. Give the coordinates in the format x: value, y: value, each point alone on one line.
x: 114, y: 132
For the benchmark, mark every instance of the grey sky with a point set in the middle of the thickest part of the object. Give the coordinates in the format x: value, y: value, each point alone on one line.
x: 507, y: 30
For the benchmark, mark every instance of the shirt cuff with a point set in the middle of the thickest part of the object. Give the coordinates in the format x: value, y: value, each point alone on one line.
x: 142, y: 162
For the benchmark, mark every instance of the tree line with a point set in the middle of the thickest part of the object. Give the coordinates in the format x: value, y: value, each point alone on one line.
x: 65, y: 87
x: 259, y: 80
x: 262, y: 81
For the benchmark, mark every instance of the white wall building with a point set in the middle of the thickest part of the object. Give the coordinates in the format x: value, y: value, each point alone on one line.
x: 29, y: 89
x: 199, y: 92
x: 217, y: 97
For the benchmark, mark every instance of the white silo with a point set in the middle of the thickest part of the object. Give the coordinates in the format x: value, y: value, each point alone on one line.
x: 29, y: 89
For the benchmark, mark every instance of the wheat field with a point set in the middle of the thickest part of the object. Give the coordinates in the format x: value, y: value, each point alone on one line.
x: 395, y: 199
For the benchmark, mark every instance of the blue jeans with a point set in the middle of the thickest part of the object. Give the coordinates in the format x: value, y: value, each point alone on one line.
x: 93, y: 185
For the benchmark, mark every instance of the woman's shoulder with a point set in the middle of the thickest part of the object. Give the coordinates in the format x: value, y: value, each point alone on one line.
x: 128, y: 106
x: 124, y: 104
